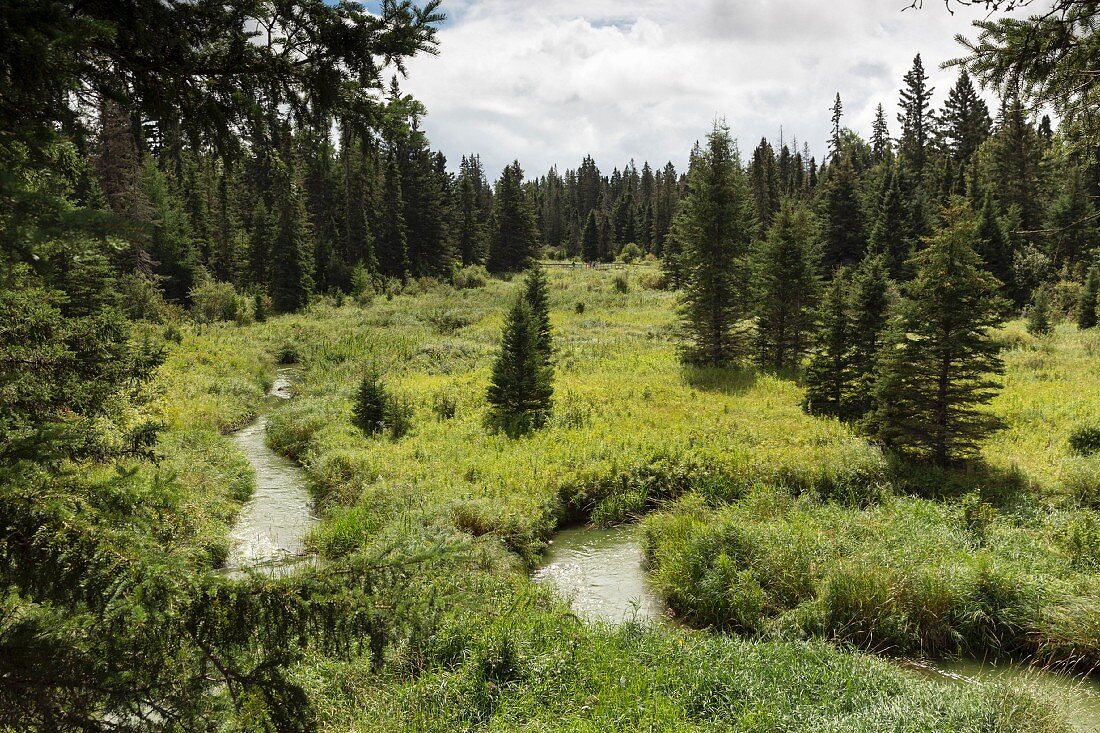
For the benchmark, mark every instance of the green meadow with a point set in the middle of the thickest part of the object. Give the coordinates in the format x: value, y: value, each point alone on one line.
x: 787, y: 545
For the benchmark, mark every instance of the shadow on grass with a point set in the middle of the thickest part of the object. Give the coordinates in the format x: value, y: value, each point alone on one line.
x: 730, y: 380
x: 998, y: 486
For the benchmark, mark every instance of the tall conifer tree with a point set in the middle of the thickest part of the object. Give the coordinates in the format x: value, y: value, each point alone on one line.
x: 935, y: 370
x: 717, y: 232
x: 787, y: 284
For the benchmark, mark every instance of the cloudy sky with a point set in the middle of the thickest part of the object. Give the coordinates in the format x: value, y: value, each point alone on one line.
x: 548, y: 81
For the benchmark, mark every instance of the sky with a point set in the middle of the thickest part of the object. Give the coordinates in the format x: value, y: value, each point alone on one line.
x: 548, y: 81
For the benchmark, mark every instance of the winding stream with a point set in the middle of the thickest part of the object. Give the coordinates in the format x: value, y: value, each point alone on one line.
x: 601, y: 572
x: 271, y: 528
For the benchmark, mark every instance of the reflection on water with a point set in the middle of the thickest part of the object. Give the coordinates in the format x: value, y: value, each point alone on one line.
x: 600, y: 571
x: 1078, y: 698
x: 271, y: 528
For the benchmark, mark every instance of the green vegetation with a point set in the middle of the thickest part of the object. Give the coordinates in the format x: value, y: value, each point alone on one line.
x: 781, y: 526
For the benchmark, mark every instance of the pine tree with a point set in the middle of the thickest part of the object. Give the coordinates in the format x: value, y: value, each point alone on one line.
x: 890, y: 235
x: 829, y: 374
x: 1088, y: 302
x: 718, y: 230
x: 965, y: 119
x: 537, y: 294
x: 935, y: 368
x: 1038, y: 315
x: 515, y: 238
x: 842, y: 218
x: 869, y: 303
x: 915, y: 119
x: 391, y: 243
x: 170, y: 247
x: 880, y: 136
x: 292, y: 258
x: 590, y: 243
x: 994, y: 244
x: 521, y: 386
x: 1071, y: 221
x: 834, y: 141
x: 787, y: 284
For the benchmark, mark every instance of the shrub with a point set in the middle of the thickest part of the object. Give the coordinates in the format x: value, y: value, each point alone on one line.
x: 141, y: 298
x: 213, y: 301
x: 653, y: 280
x: 376, y: 410
x: 259, y: 308
x: 977, y: 514
x: 362, y: 288
x: 444, y: 405
x: 630, y: 252
x: 446, y: 321
x: 620, y: 283
x: 1085, y: 440
x: 468, y: 278
x: 1081, y: 481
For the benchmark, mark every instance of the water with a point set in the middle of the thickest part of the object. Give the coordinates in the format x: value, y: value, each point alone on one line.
x: 601, y: 572
x: 1077, y: 698
x: 271, y: 528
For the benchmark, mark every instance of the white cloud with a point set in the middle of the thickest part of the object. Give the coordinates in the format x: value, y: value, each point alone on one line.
x: 549, y: 82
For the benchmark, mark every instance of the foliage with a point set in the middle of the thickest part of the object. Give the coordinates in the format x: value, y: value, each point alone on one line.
x: 1085, y: 440
x: 716, y: 230
x: 520, y: 390
x: 935, y: 369
x: 787, y: 282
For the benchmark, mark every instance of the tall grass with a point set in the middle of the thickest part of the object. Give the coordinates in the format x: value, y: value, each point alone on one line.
x: 907, y: 577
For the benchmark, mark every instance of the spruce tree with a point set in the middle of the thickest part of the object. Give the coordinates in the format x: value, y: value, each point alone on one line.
x: 1038, y: 314
x: 994, y: 244
x: 1088, y: 302
x: 521, y: 385
x: 869, y: 303
x: 787, y: 284
x: 537, y: 294
x: 880, y: 136
x: 515, y: 238
x: 292, y: 258
x: 829, y: 376
x: 935, y: 369
x: 834, y: 140
x: 965, y: 119
x: 915, y: 118
x: 717, y: 230
x: 391, y: 243
x: 842, y: 218
x: 890, y: 235
x: 590, y: 240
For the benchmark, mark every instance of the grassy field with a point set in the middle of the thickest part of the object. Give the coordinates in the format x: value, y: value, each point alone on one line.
x: 761, y: 520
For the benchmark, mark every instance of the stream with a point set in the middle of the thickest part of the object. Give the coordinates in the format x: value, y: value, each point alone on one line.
x: 270, y: 530
x: 600, y: 571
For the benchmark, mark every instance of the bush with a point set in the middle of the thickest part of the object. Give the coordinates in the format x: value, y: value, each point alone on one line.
x: 213, y: 301
x: 142, y: 299
x: 362, y: 288
x: 620, y: 283
x: 1085, y: 440
x: 444, y: 405
x: 468, y: 278
x: 630, y: 253
x: 653, y: 280
x: 376, y: 410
